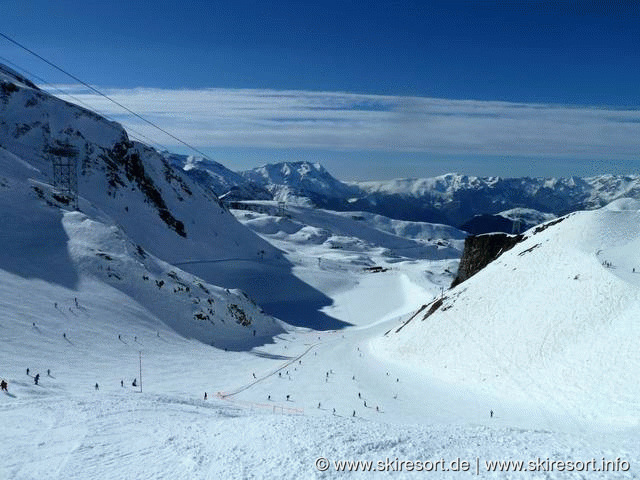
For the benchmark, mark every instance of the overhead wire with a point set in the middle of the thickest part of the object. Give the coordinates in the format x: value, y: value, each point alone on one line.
x: 136, y: 135
x: 98, y: 92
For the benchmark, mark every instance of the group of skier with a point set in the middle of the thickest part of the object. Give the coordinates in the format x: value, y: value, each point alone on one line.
x: 4, y: 386
x: 36, y: 377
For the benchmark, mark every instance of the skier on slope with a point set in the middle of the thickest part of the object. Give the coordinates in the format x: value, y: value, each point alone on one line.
x: 4, y: 386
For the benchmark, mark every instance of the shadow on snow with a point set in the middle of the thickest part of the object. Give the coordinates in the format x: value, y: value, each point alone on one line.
x: 274, y: 287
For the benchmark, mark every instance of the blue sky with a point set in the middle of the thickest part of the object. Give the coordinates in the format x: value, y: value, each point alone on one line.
x: 487, y: 88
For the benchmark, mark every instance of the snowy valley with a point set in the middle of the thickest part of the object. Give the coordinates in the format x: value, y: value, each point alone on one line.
x: 318, y: 328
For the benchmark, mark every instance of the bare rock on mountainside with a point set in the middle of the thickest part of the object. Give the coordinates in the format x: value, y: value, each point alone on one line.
x: 480, y: 250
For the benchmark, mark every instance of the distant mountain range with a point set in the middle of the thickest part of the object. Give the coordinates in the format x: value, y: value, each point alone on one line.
x: 475, y: 204
x: 458, y: 198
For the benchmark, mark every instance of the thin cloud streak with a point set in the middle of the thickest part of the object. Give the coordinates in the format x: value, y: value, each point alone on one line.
x: 343, y: 121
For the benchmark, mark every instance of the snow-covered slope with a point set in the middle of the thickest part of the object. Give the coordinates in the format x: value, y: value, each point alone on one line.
x: 552, y: 321
x: 359, y: 232
x: 406, y: 229
x: 49, y: 253
x: 330, y: 250
x: 80, y: 299
x: 89, y: 302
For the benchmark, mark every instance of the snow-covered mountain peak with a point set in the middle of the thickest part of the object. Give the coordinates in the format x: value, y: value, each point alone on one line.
x: 289, y: 181
x: 453, y: 198
x: 35, y: 124
x: 218, y: 179
x: 290, y: 173
x: 568, y: 184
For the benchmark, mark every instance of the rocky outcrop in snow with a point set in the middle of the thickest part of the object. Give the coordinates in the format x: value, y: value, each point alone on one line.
x: 480, y: 250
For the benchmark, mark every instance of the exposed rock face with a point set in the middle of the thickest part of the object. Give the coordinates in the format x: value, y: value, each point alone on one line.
x: 480, y: 250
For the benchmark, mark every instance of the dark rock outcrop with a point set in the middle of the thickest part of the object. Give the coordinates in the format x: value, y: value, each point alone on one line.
x: 480, y: 250
x: 486, y: 224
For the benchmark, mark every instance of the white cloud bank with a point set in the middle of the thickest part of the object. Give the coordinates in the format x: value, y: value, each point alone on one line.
x: 342, y: 121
